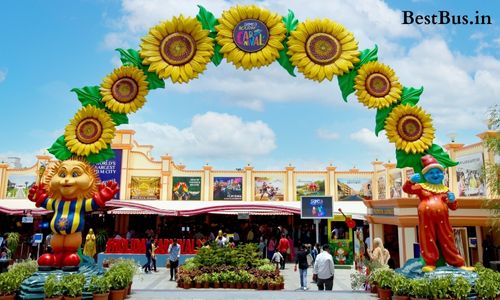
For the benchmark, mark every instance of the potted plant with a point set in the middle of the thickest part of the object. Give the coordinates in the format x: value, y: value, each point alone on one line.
x: 419, y: 289
x: 9, y: 283
x: 72, y: 286
x: 261, y: 282
x: 187, y: 281
x: 440, y: 287
x: 487, y: 284
x: 244, y: 278
x: 224, y: 279
x: 118, y: 279
x: 281, y: 281
x: 400, y: 287
x: 100, y: 287
x: 214, y: 279
x: 198, y: 281
x: 358, y: 281
x: 383, y: 277
x: 13, y: 242
x: 460, y: 288
x: 52, y: 288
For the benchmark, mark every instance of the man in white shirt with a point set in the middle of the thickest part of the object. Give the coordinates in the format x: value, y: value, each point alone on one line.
x: 324, y: 269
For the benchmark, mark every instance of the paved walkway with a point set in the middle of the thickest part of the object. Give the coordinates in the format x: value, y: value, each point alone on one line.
x: 157, y: 286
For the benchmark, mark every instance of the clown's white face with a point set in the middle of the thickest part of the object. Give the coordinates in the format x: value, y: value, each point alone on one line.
x: 434, y: 176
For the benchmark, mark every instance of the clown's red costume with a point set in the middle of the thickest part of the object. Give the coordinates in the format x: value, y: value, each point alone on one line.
x: 434, y: 226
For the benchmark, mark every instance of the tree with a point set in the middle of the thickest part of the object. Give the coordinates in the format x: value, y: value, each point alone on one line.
x: 491, y: 172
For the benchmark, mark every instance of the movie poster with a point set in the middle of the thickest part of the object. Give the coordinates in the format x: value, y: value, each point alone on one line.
x: 19, y: 185
x: 381, y: 187
x: 228, y: 188
x: 354, y: 188
x: 395, y: 183
x: 310, y: 186
x: 269, y: 188
x: 111, y: 169
x: 145, y: 188
x: 186, y: 188
x: 469, y: 171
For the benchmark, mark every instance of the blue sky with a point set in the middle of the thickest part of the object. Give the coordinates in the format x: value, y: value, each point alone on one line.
x: 230, y: 117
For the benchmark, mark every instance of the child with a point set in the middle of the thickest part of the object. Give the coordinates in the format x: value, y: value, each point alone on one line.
x: 277, y: 258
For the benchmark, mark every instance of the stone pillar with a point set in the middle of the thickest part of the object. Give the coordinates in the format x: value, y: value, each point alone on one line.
x: 452, y: 172
x: 3, y: 180
x: 332, y: 180
x: 205, y: 190
x: 290, y: 191
x: 165, y: 181
x: 248, y: 183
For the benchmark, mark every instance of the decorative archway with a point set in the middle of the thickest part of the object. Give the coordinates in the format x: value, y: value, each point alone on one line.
x: 249, y: 37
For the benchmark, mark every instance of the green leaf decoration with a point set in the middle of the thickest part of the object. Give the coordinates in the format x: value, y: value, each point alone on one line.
x: 208, y: 22
x: 132, y: 57
x: 103, y: 155
x: 59, y: 149
x: 411, y: 95
x: 118, y: 119
x: 441, y: 156
x: 381, y: 116
x: 290, y: 24
x: 89, y: 95
x: 346, y: 81
x: 405, y: 160
x: 217, y: 57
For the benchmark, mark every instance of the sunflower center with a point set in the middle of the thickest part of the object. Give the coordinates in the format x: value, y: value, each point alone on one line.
x: 323, y: 48
x: 410, y: 128
x: 125, y: 90
x: 250, y: 35
x: 378, y: 85
x: 178, y: 48
x: 89, y: 130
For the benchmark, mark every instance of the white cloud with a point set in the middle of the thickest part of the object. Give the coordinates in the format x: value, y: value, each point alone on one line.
x: 209, y: 136
x: 3, y: 75
x: 377, y: 146
x: 326, y: 134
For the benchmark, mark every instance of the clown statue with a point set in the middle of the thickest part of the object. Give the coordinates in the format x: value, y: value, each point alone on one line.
x: 434, y: 229
x: 71, y: 189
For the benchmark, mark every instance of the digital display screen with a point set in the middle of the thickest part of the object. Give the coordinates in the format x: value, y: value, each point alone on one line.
x: 317, y: 207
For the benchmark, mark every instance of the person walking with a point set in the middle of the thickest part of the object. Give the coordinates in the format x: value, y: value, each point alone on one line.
x: 301, y: 262
x: 147, y: 266
x: 153, y: 255
x: 174, y: 253
x: 271, y: 246
x: 277, y: 259
x: 283, y: 247
x: 324, y: 269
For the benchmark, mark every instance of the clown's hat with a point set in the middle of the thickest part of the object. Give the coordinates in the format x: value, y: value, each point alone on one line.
x: 429, y: 162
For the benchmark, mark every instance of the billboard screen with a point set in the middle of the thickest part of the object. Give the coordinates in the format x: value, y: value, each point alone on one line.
x: 228, y: 188
x: 316, y: 207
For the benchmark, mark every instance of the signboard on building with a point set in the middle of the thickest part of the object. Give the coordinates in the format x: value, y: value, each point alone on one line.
x: 19, y: 185
x: 111, y: 169
x: 354, y: 188
x: 316, y: 207
x: 186, y: 188
x: 145, y: 188
x: 269, y: 188
x: 310, y: 186
x: 469, y: 171
x: 228, y: 188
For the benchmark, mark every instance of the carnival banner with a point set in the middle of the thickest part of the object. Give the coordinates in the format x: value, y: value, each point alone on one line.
x: 18, y: 186
x: 228, y: 188
x: 186, y: 188
x: 354, y: 188
x: 310, y: 186
x: 269, y: 188
x: 111, y: 169
x: 469, y: 171
x: 381, y: 186
x: 145, y: 188
x: 395, y: 183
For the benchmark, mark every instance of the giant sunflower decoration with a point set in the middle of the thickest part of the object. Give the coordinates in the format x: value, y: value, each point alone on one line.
x: 250, y: 36
x: 124, y: 90
x: 90, y: 130
x: 410, y: 128
x: 322, y: 48
x: 377, y: 85
x: 179, y: 49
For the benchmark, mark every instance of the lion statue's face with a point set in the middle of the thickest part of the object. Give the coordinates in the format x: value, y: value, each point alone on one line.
x: 72, y: 179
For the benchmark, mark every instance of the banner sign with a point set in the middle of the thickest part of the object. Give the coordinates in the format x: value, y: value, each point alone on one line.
x: 145, y: 188
x: 469, y: 171
x: 111, y: 169
x: 19, y: 185
x: 310, y: 186
x: 354, y: 188
x: 228, y: 188
x: 269, y: 188
x: 186, y: 188
x: 138, y: 246
x: 316, y: 207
